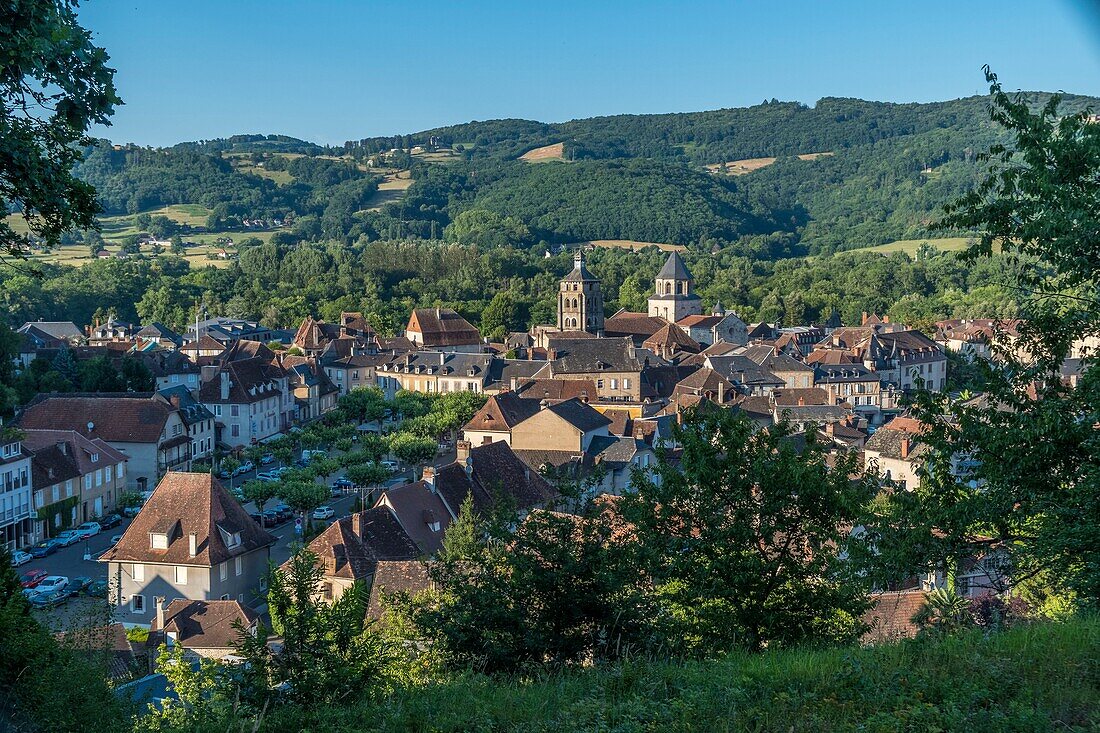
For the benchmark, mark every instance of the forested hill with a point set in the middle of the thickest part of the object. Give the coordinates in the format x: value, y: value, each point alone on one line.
x: 775, y: 180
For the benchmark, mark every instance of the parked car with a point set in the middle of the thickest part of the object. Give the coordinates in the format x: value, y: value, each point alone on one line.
x: 281, y: 471
x: 49, y: 598
x: 271, y: 518
x: 223, y: 473
x: 109, y: 521
x: 52, y: 583
x: 343, y: 483
x: 132, y: 510
x: 295, y: 430
x: 267, y: 476
x: 324, y: 512
x: 115, y: 538
x: 283, y: 512
x: 309, y: 455
x: 68, y: 537
x: 393, y: 466
x: 20, y: 558
x: 31, y: 578
x: 97, y: 589
x: 267, y: 459
x: 89, y: 529
x: 44, y: 548
x: 79, y: 583
x: 244, y: 468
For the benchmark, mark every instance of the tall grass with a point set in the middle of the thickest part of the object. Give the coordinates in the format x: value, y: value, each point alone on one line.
x: 1035, y: 678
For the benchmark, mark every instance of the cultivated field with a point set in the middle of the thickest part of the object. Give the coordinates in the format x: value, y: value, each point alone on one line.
x: 392, y: 188
x: 910, y: 246
x: 748, y: 165
x: 546, y: 152
x: 630, y: 244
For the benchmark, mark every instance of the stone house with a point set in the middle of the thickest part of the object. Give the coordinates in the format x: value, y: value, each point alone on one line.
x: 192, y: 541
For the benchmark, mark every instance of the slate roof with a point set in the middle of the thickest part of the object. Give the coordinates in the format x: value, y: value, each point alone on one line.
x: 206, y: 624
x: 415, y: 505
x: 674, y: 268
x: 185, y: 503
x: 191, y: 411
x: 61, y: 330
x: 887, y: 440
x: 788, y: 396
x: 579, y: 414
x: 495, y: 468
x: 621, y: 422
x: 585, y: 356
x: 159, y: 330
x: 580, y: 272
x: 250, y: 380
x: 118, y: 418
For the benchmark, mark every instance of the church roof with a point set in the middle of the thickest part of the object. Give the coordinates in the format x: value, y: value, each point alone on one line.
x: 579, y: 273
x: 674, y: 268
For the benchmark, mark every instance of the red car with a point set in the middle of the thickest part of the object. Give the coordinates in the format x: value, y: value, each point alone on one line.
x: 31, y: 578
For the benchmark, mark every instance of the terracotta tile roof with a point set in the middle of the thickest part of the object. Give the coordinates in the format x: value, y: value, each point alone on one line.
x: 621, y: 422
x: 891, y: 616
x: 51, y: 463
x: 789, y: 396
x: 243, y: 350
x: 206, y: 624
x: 704, y: 381
x: 442, y: 327
x: 206, y: 343
x: 672, y: 337
x: 393, y: 577
x: 352, y: 546
x: 635, y: 325
x: 556, y: 389
x: 699, y: 321
x: 502, y: 412
x: 118, y: 418
x: 182, y: 504
x: 896, y: 435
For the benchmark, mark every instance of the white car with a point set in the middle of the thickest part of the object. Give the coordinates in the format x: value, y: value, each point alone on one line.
x: 391, y: 465
x: 20, y: 558
x: 324, y: 512
x: 89, y: 529
x: 244, y: 468
x: 52, y: 583
x: 68, y: 537
x: 115, y: 539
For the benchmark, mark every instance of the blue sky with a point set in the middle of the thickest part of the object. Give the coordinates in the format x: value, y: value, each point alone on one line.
x: 332, y: 71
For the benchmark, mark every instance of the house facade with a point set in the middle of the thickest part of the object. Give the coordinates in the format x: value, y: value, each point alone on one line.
x: 16, y: 525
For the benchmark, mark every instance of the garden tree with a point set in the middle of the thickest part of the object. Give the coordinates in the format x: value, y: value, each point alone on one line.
x: 177, y: 247
x: 327, y: 651
x: 1033, y: 484
x: 545, y: 592
x: 260, y: 492
x: 199, y: 688
x: 412, y: 449
x: 228, y: 465
x: 54, y: 84
x: 42, y: 685
x: 367, y: 474
x: 743, y: 539
x: 136, y: 375
x: 302, y: 496
x: 9, y: 352
x: 65, y: 365
x: 143, y: 220
x: 501, y: 316
x: 100, y: 375
x: 411, y: 404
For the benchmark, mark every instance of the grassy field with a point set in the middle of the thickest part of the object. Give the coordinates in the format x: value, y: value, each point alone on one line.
x: 392, y: 188
x: 910, y: 246
x: 1044, y: 677
x: 630, y: 244
x: 748, y: 165
x: 547, y: 152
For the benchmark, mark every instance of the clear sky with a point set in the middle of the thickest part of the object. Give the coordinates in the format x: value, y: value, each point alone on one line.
x: 330, y: 71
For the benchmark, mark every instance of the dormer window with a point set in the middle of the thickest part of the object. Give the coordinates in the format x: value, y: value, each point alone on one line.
x: 158, y: 541
x: 234, y: 540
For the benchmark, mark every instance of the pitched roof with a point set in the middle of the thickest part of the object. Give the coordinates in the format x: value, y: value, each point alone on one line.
x: 495, y: 470
x: 59, y: 455
x: 888, y: 440
x: 621, y: 422
x: 672, y: 337
x: 159, y: 330
x: 584, y: 356
x: 352, y: 546
x: 788, y: 396
x: 205, y: 343
x: 629, y: 323
x: 250, y: 380
x: 557, y: 389
x: 674, y: 268
x: 891, y: 615
x: 206, y: 624
x: 415, y: 507
x: 186, y: 503
x: 580, y: 272
x: 393, y: 577
x: 502, y: 412
x: 120, y: 418
x: 704, y: 381
x: 442, y: 327
x: 62, y: 330
x: 579, y: 414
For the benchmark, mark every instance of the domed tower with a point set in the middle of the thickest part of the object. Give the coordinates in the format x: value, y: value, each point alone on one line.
x: 580, y: 300
x: 675, y: 296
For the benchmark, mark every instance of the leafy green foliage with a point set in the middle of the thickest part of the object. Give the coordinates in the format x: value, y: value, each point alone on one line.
x: 55, y: 84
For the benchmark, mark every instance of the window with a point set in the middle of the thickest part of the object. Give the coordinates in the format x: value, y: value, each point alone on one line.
x: 55, y: 494
x: 181, y: 575
x: 626, y: 384
x: 217, y: 410
x: 235, y: 410
x: 225, y: 596
x: 223, y: 570
x: 121, y: 470
x: 599, y: 384
x: 107, y: 473
x: 238, y: 566
x: 235, y: 431
x: 99, y: 477
x: 138, y: 571
x: 87, y: 481
x: 95, y: 458
x: 614, y: 384
x: 137, y: 604
x: 158, y: 541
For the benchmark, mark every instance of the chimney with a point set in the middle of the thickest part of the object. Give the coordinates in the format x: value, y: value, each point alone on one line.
x: 514, y: 382
x: 463, y: 450
x: 357, y: 524
x: 158, y: 602
x: 863, y: 321
x: 192, y: 544
x: 428, y: 477
x: 544, y: 404
x: 830, y: 428
x: 905, y: 446
x: 224, y: 384
x: 721, y: 392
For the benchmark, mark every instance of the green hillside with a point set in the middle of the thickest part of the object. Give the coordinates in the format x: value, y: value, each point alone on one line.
x: 1036, y: 678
